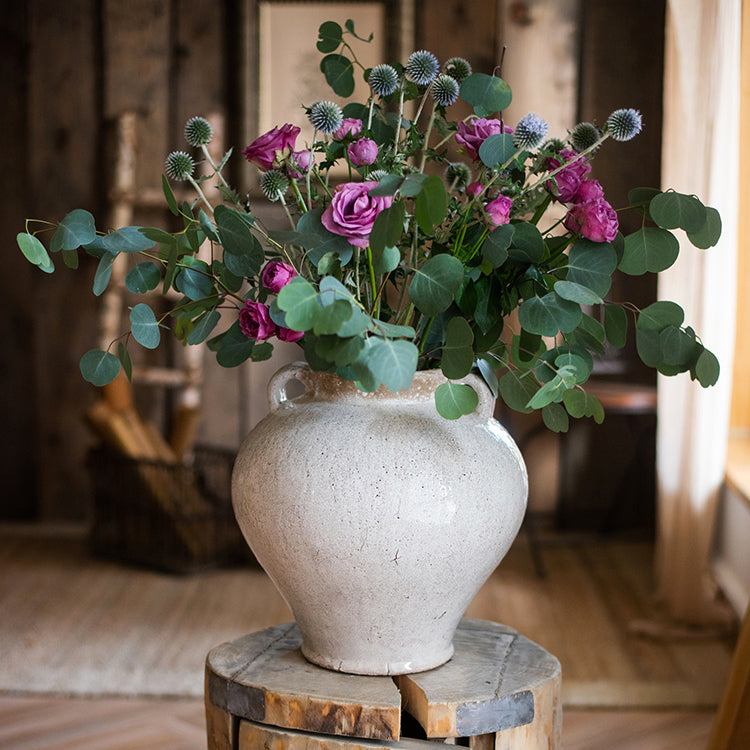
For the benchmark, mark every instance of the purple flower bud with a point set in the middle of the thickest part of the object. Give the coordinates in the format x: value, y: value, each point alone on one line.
x: 362, y: 152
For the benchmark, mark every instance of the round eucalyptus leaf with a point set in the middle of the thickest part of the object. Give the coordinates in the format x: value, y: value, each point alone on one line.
x: 300, y: 303
x: 32, y: 249
x: 672, y: 210
x: 454, y: 400
x: 555, y: 418
x: 497, y: 149
x: 517, y: 390
x: 487, y: 94
x: 436, y: 283
x: 99, y: 367
x: 77, y: 228
x: 194, y: 281
x: 103, y: 273
x: 577, y: 293
x: 234, y: 347
x: 707, y: 368
x: 392, y: 361
x: 591, y: 264
x: 616, y: 325
x: 329, y: 37
x: 527, y: 243
x: 458, y: 353
x: 339, y: 74
x: 659, y: 315
x: 126, y: 240
x: 388, y: 227
x: 549, y: 315
x: 144, y: 326
x: 678, y: 347
x: 648, y: 345
x: 203, y: 327
x: 495, y: 247
x: 708, y: 235
x: 431, y: 204
x: 649, y: 249
x: 143, y: 277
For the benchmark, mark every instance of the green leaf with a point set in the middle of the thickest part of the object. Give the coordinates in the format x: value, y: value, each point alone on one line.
x: 392, y: 361
x: 173, y: 252
x: 575, y: 365
x: 143, y: 277
x: 495, y: 247
x: 678, y: 347
x: 392, y: 331
x: 329, y: 36
x: 70, y: 258
x: 77, y: 228
x: 125, y: 362
x: 648, y: 345
x: 411, y: 187
x: 577, y: 293
x: 330, y: 318
x: 386, y: 260
x: 454, y: 400
x: 458, y: 354
x: 234, y: 347
x: 591, y: 264
x: 497, y: 149
x: 649, y: 249
x: 103, y: 273
x: 299, y: 301
x: 388, y: 227
x: 340, y: 351
x: 238, y: 240
x: 659, y: 315
x: 672, y: 210
x: 431, y: 204
x: 194, y: 281
x: 553, y: 390
x: 436, y: 283
x: 126, y: 240
x: 33, y: 250
x: 144, y: 326
x: 549, y: 315
x: 708, y: 235
x: 707, y: 368
x: 575, y: 402
x: 487, y: 94
x: 517, y: 390
x: 207, y: 226
x: 527, y: 244
x: 203, y: 327
x: 99, y: 367
x: 555, y: 418
x: 642, y: 196
x: 169, y: 195
x: 388, y: 185
x: 616, y: 325
x: 339, y: 73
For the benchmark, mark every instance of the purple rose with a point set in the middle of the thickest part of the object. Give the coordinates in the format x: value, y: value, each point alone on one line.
x: 471, y: 135
x: 362, y: 152
x: 596, y: 220
x: 498, y: 211
x: 353, y: 211
x: 349, y: 126
x: 277, y: 275
x: 299, y: 163
x: 474, y: 189
x: 266, y: 149
x: 589, y: 190
x: 287, y: 334
x: 255, y: 321
x: 570, y: 177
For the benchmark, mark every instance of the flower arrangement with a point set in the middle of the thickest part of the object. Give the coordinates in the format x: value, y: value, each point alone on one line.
x: 417, y: 259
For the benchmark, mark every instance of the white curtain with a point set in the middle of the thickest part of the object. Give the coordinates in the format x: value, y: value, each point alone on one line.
x: 700, y: 147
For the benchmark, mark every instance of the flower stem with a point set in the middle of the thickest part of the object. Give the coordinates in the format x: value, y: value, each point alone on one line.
x: 427, y: 134
x: 198, y: 190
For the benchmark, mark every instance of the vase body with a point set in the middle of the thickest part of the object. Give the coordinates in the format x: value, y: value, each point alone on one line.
x: 377, y: 519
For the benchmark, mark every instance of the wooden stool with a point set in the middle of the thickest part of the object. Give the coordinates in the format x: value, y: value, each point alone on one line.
x: 500, y: 690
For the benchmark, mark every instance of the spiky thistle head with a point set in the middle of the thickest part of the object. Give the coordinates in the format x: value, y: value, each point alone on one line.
x: 325, y: 116
x: 530, y: 132
x: 422, y: 67
x: 458, y: 68
x: 179, y: 165
x: 274, y: 184
x: 583, y: 136
x: 624, y: 124
x: 458, y: 174
x: 198, y: 131
x: 445, y: 90
x: 383, y: 79
x: 377, y: 175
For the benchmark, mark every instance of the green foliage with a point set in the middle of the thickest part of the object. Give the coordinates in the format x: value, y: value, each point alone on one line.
x: 469, y: 275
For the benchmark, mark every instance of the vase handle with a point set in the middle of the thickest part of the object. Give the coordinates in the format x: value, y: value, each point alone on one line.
x: 276, y: 391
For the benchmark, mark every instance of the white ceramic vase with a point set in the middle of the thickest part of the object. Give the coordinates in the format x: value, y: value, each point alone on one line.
x: 377, y: 519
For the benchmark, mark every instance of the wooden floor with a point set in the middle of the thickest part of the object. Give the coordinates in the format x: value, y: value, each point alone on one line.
x: 83, y: 641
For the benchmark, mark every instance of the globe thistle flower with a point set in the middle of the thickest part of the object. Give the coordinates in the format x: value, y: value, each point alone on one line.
x: 179, y: 165
x: 383, y: 80
x: 553, y: 145
x: 445, y: 90
x: 583, y: 136
x: 458, y: 68
x: 458, y: 174
x: 198, y: 131
x: 274, y: 184
x: 530, y: 132
x: 325, y: 116
x: 624, y: 124
x: 422, y: 67
x: 377, y: 175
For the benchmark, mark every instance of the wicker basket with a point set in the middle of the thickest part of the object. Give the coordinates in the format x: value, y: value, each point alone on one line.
x: 172, y: 517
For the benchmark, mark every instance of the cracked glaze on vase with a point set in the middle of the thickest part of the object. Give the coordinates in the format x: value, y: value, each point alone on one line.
x: 377, y: 519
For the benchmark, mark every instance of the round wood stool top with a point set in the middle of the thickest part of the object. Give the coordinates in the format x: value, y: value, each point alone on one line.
x: 497, y: 680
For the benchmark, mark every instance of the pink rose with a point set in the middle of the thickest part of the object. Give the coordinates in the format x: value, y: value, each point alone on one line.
x: 287, y: 334
x: 277, y: 275
x: 362, y: 152
x: 498, y: 211
x: 471, y: 135
x: 353, y: 211
x: 569, y: 178
x: 266, y: 149
x: 596, y: 220
x: 349, y: 126
x: 255, y: 321
x: 299, y: 163
x: 475, y: 189
x: 589, y: 190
